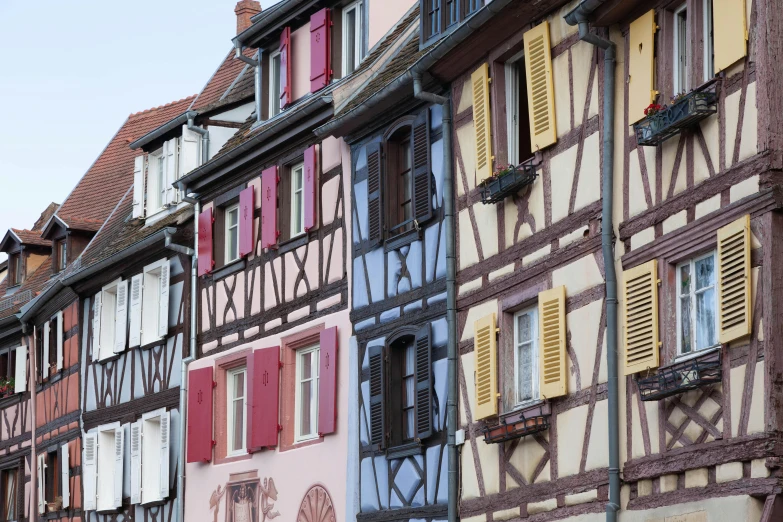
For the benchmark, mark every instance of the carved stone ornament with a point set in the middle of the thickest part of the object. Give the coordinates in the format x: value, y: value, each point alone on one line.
x: 316, y: 506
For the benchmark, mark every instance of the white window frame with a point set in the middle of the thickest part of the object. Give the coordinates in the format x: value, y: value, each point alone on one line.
x: 513, y: 79
x: 227, y: 227
x: 298, y: 168
x: 680, y: 84
x: 231, y: 398
x: 274, y: 85
x: 151, y: 461
x: 156, y: 200
x: 150, y: 298
x: 533, y: 313
x: 315, y: 367
x: 692, y: 262
x: 102, y: 463
x: 709, y: 43
x: 358, y: 50
x: 108, y: 320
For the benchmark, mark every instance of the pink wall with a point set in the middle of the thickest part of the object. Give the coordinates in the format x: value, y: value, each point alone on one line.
x: 384, y: 14
x: 300, y: 61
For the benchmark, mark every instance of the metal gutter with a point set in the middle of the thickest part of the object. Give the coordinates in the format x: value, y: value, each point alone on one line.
x: 191, y: 115
x: 164, y: 129
x: 270, y: 20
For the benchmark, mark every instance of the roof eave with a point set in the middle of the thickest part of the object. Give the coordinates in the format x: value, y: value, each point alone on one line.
x: 271, y: 21
x: 161, y: 131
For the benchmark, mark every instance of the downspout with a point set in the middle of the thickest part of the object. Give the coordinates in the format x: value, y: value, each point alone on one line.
x: 451, y: 294
x: 579, y: 16
x: 257, y: 65
x: 33, y: 447
x: 204, y: 136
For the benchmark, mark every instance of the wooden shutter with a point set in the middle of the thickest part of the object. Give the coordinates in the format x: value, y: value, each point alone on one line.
x: 41, y: 483
x: 730, y: 32
x: 190, y: 153
x: 138, y: 186
x: 170, y: 150
x: 485, y: 350
x: 734, y: 290
x: 89, y: 470
x: 327, y: 382
x: 165, y: 450
x: 263, y: 389
x: 641, y: 65
x: 65, y: 467
x: 60, y: 333
x: 285, y: 68
x: 377, y: 400
x: 246, y: 209
x: 163, y: 307
x: 121, y: 322
x: 269, y: 231
x: 200, y: 415
x: 540, y: 90
x: 423, y: 383
x: 119, y: 440
x: 45, y: 352
x: 640, y: 309
x: 422, y: 174
x: 135, y: 462
x: 482, y: 122
x: 552, y: 342
x: 20, y: 370
x: 374, y: 193
x: 96, y: 329
x: 320, y: 49
x: 136, y: 294
x: 205, y: 260
x: 311, y: 175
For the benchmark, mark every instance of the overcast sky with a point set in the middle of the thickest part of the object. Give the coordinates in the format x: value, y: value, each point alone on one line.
x: 71, y: 73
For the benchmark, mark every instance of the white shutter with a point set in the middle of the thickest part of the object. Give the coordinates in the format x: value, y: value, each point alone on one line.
x: 137, y: 287
x: 41, y: 484
x: 121, y: 322
x: 89, y: 470
x: 170, y: 152
x: 45, y: 354
x: 66, y: 472
x: 59, y: 340
x: 135, y: 472
x: 96, y: 328
x: 165, y: 439
x: 189, y: 154
x: 119, y: 439
x: 20, y: 371
x: 163, y: 308
x: 138, y: 187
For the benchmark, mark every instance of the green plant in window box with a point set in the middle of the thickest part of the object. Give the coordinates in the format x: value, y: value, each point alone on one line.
x: 6, y: 387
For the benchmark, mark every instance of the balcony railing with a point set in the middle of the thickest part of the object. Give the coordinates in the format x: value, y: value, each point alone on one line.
x: 682, y: 114
x: 682, y: 376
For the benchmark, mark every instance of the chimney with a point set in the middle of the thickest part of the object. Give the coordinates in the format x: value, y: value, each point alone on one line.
x: 244, y: 10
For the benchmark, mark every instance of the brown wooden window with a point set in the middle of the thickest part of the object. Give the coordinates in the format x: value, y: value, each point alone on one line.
x: 517, y: 113
x: 15, y: 269
x: 52, y: 474
x: 8, y: 491
x: 399, y: 188
x: 7, y: 366
x: 440, y: 16
x: 62, y: 255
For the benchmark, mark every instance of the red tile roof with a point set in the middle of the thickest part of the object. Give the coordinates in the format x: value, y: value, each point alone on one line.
x: 30, y: 237
x: 221, y: 80
x: 27, y: 291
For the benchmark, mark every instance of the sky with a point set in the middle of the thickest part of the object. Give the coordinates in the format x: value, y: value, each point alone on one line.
x: 71, y: 73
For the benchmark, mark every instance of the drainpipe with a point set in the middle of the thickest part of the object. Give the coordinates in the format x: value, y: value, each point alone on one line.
x: 451, y: 294
x: 580, y: 16
x: 33, y: 447
x: 204, y: 136
x: 257, y: 65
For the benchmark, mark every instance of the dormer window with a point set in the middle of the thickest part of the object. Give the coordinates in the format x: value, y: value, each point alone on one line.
x: 62, y: 255
x: 440, y: 16
x: 15, y: 269
x: 353, y: 31
x: 274, y: 84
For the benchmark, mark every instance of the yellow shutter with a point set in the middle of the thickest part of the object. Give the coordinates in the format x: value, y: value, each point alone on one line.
x: 729, y: 32
x: 552, y: 342
x: 482, y: 122
x: 734, y: 307
x: 640, y: 314
x: 485, y: 348
x: 540, y: 92
x: 641, y: 65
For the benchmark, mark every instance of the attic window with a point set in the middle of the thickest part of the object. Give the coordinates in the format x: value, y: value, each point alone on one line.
x: 62, y: 255
x: 15, y: 269
x: 441, y: 16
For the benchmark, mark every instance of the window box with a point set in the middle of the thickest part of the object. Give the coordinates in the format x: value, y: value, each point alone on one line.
x: 520, y: 423
x: 509, y: 181
x: 682, y: 376
x: 685, y: 112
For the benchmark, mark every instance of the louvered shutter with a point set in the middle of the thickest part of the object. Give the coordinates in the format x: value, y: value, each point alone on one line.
x: 165, y: 450
x: 423, y: 383
x: 269, y: 231
x: 41, y: 483
x: 422, y: 173
x: 20, y: 370
x: 540, y: 90
x: 552, y: 342
x: 641, y: 66
x: 730, y: 32
x: 377, y: 402
x: 89, y: 470
x: 374, y: 193
x: 205, y: 260
x: 320, y: 49
x: 45, y: 352
x: 263, y: 389
x: 246, y: 207
x: 170, y: 150
x: 327, y: 382
x: 136, y: 294
x: 138, y: 186
x: 190, y: 153
x: 482, y: 122
x: 200, y: 415
x: 311, y: 175
x: 485, y: 350
x: 285, y: 68
x: 734, y: 280
x: 640, y: 307
x: 60, y: 332
x: 163, y: 307
x: 135, y: 462
x: 96, y: 329
x: 119, y: 440
x: 121, y: 322
x: 66, y: 475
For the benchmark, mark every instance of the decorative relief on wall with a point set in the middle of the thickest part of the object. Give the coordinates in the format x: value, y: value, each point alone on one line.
x: 268, y: 492
x: 247, y: 499
x: 316, y: 506
x: 214, y: 502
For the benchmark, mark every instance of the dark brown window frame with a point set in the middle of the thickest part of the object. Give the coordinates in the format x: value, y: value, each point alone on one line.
x: 432, y: 30
x: 395, y: 355
x: 15, y: 268
x: 394, y: 225
x: 15, y: 469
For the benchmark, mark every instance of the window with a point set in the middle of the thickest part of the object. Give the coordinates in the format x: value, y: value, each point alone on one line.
x: 7, y: 371
x: 297, y: 200
x: 681, y: 50
x: 232, y: 233
x: 697, y: 305
x: 108, y: 316
x: 526, y: 355
x: 307, y: 363
x: 62, y: 255
x: 15, y: 269
x: 452, y: 12
x: 519, y: 144
x: 52, y: 476
x: 400, y: 181
x: 156, y: 182
x: 433, y: 17
x: 8, y: 508
x: 353, y: 37
x: 408, y: 369
x: 442, y: 15
x: 110, y: 320
x: 154, y: 298
x: 150, y: 457
x: 274, y: 83
x: 709, y: 46
x: 103, y: 468
x: 237, y: 412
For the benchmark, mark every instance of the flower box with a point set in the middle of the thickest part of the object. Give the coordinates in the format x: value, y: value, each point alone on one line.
x: 519, y: 424
x: 509, y: 181
x: 682, y: 376
x: 685, y: 112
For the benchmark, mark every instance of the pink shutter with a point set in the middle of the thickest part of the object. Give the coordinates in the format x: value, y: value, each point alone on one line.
x: 285, y: 68
x: 311, y: 188
x: 320, y: 49
x: 263, y: 391
x: 269, y: 230
x: 205, y: 261
x: 200, y: 415
x: 246, y: 205
x: 327, y: 385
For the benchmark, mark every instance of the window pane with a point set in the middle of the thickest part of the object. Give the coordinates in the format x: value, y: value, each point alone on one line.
x: 525, y: 371
x: 685, y: 279
x: 239, y: 385
x: 408, y: 421
x: 686, y: 342
x: 275, y: 80
x: 239, y: 424
x: 305, y: 419
x: 233, y: 214
x: 9, y: 494
x: 705, y: 272
x: 523, y: 328
x: 350, y: 41
x: 307, y: 366
x: 705, y: 319
x: 681, y: 77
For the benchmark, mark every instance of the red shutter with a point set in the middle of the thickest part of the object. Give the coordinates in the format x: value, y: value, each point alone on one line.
x: 269, y: 230
x: 205, y: 261
x: 320, y: 49
x: 327, y: 382
x: 311, y: 188
x: 285, y: 68
x: 263, y: 391
x: 200, y: 415
x: 246, y: 205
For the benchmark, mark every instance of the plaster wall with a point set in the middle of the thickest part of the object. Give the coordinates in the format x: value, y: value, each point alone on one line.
x: 300, y: 61
x: 383, y: 15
